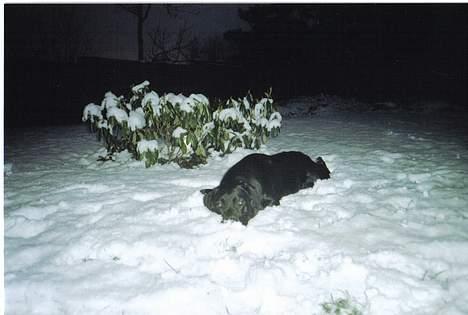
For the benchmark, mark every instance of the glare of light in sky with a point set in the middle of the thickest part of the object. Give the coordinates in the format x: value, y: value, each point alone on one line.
x: 114, y: 29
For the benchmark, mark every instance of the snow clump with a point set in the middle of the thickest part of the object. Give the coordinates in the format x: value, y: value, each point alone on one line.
x: 92, y: 111
x: 147, y: 146
x: 110, y: 100
x: 139, y: 87
x: 119, y: 114
x: 275, y: 121
x: 178, y: 132
x: 136, y: 119
x: 200, y: 98
x: 152, y: 98
x: 186, y: 104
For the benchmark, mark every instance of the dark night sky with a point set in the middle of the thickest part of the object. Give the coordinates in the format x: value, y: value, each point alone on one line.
x: 110, y: 31
x: 110, y: 28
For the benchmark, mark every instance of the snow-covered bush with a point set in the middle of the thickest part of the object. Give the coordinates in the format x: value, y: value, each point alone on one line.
x: 181, y: 129
x: 244, y: 123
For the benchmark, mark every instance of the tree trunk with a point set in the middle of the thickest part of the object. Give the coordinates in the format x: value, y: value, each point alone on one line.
x: 141, y: 12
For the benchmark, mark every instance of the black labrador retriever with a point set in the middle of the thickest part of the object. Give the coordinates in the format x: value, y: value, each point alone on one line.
x: 260, y: 180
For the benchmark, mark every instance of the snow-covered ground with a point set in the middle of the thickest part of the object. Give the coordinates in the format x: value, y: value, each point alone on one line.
x: 388, y: 231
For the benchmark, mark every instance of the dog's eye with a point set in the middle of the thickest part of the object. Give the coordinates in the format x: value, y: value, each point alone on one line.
x: 219, y: 204
x: 240, y: 202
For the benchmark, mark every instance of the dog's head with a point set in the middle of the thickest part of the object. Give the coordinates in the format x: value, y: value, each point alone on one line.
x: 322, y: 170
x: 238, y: 202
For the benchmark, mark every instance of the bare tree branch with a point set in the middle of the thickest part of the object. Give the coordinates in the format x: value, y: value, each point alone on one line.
x: 164, y: 46
x: 171, y: 47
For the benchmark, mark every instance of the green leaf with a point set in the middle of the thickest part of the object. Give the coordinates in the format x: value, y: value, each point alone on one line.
x: 182, y: 146
x: 201, y: 151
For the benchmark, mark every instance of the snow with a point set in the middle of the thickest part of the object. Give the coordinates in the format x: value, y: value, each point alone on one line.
x: 186, y: 104
x: 92, y: 110
x: 103, y: 124
x: 178, y: 132
x: 152, y: 98
x: 207, y: 128
x: 136, y: 119
x: 260, y: 120
x: 234, y: 114
x: 388, y: 230
x: 230, y: 113
x: 246, y: 103
x: 110, y: 100
x: 175, y: 99
x: 199, y: 98
x: 147, y: 146
x: 119, y: 114
x: 139, y: 87
x: 275, y: 121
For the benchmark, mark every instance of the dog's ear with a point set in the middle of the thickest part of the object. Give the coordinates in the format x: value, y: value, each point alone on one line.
x: 324, y: 172
x: 206, y: 191
x: 320, y: 161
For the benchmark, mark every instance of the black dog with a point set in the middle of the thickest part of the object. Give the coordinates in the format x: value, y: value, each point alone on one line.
x: 260, y: 180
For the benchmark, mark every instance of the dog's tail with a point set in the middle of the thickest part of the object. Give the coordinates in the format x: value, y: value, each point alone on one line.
x: 323, y: 171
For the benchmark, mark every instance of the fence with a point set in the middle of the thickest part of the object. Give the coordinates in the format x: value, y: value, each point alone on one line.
x: 44, y: 93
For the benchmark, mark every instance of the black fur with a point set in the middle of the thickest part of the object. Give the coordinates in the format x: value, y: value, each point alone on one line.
x: 260, y: 180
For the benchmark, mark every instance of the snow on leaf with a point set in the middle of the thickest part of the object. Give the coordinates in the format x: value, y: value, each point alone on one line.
x: 187, y: 105
x: 246, y: 103
x: 136, y: 119
x: 147, y: 146
x: 139, y: 87
x: 200, y: 98
x: 92, y: 111
x: 230, y: 113
x: 178, y: 132
x: 207, y: 128
x: 119, y: 114
x: 152, y: 99
x: 110, y: 100
x: 275, y: 121
x: 174, y: 99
